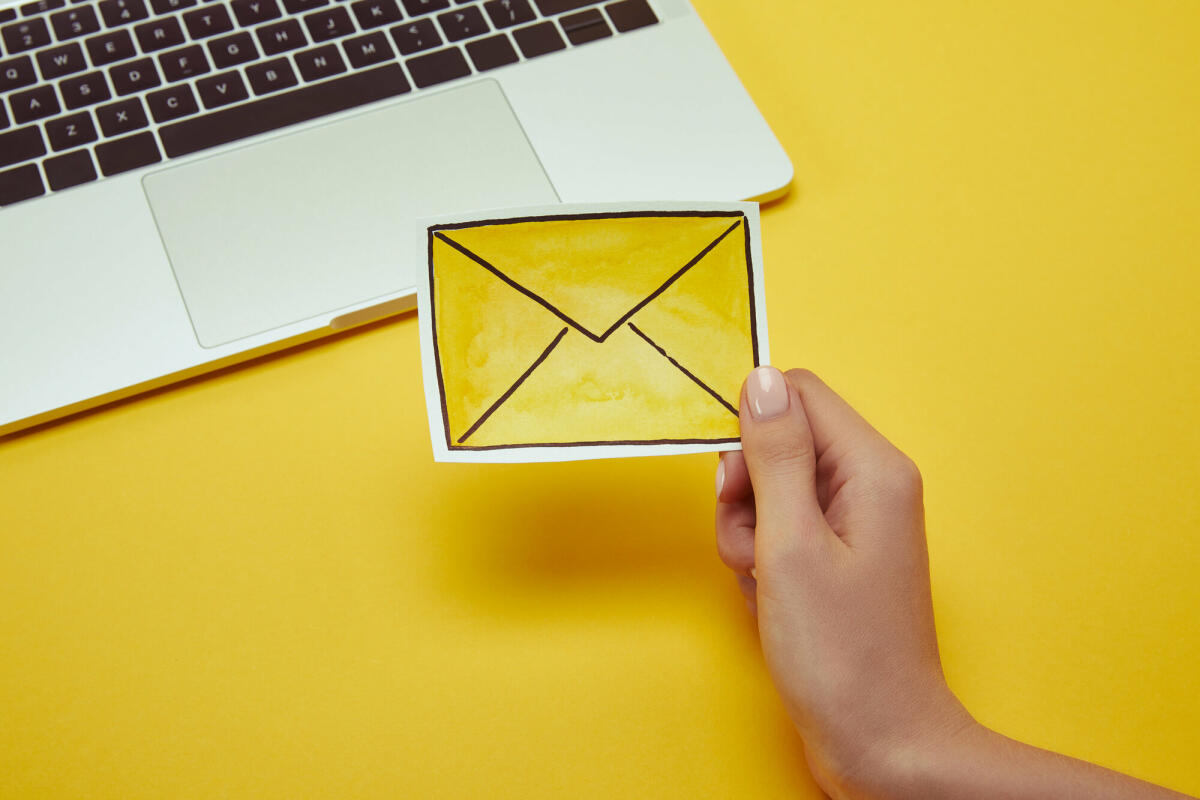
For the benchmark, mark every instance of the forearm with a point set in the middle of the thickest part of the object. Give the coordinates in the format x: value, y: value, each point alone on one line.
x: 985, y: 765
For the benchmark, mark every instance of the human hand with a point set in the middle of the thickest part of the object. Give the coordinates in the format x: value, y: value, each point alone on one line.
x: 821, y: 518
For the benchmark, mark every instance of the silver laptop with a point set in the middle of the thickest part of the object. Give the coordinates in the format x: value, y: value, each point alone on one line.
x: 188, y: 183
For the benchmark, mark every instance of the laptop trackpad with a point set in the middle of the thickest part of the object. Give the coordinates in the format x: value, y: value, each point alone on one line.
x: 315, y: 221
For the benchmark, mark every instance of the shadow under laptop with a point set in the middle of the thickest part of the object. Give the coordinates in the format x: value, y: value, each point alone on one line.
x: 171, y: 384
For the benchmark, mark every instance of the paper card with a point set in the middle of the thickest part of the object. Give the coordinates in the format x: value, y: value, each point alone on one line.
x: 568, y: 332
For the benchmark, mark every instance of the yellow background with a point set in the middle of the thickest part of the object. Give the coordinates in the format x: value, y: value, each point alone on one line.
x: 258, y: 584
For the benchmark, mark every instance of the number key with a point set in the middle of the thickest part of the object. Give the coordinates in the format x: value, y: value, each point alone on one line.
x: 122, y: 12
x: 77, y: 21
x: 25, y: 35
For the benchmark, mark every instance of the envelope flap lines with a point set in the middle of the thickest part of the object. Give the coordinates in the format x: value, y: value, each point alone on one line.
x: 594, y: 272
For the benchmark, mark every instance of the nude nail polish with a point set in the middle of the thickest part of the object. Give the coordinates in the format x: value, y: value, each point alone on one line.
x: 767, y: 393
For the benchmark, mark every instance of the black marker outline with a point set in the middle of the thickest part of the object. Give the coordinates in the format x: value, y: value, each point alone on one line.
x: 553, y: 309
x: 500, y: 400
x: 435, y: 231
x: 683, y: 369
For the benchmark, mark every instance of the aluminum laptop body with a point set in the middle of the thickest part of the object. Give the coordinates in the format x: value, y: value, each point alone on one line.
x: 267, y: 196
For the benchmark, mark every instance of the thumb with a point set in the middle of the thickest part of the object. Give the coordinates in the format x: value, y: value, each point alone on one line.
x: 777, y: 444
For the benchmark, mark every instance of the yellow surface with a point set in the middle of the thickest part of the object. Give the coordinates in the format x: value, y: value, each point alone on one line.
x: 570, y: 369
x: 258, y: 585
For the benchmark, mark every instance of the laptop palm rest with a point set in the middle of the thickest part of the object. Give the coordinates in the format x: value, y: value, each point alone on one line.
x: 307, y: 223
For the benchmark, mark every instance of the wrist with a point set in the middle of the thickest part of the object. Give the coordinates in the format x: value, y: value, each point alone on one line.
x: 917, y: 761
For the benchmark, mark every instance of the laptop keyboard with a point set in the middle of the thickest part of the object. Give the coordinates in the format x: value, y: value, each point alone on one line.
x: 93, y: 89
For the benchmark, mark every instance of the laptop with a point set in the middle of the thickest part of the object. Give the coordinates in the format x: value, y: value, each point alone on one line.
x: 191, y: 183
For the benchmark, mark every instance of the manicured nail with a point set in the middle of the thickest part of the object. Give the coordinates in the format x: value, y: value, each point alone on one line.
x: 720, y: 476
x: 767, y: 393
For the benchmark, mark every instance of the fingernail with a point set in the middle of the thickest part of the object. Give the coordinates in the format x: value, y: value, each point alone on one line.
x: 754, y: 573
x: 720, y: 476
x: 767, y: 393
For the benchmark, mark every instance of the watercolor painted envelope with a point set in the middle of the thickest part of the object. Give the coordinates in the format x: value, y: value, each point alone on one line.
x: 591, y: 334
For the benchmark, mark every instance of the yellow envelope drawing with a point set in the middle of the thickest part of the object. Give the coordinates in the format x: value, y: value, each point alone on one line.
x: 570, y: 330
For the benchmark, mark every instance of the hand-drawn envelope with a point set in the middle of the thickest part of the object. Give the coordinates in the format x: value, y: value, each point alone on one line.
x: 591, y: 330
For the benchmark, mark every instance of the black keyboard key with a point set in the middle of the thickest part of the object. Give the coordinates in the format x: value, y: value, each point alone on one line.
x: 506, y: 13
x: 121, y: 117
x: 320, y: 62
x: 232, y: 50
x: 363, y: 51
x: 109, y: 47
x: 548, y: 7
x: 41, y: 6
x: 537, y: 40
x: 172, y: 103
x: 330, y: 24
x: 167, y: 6
x: 71, y: 131
x: 492, y: 52
x: 271, y: 76
x: 300, y: 6
x: 629, y: 15
x: 27, y: 34
x: 221, y: 90
x: 252, y: 12
x: 586, y: 26
x: 62, y: 60
x: 16, y: 72
x: 438, y: 67
x: 134, y: 76
x: 122, y: 155
x: 281, y: 36
x: 70, y: 170
x: 22, y: 183
x: 77, y: 21
x: 415, y: 7
x: 84, y: 90
x: 159, y: 33
x: 8, y: 14
x: 278, y: 111
x: 21, y: 145
x: 463, y: 23
x: 31, y: 104
x: 185, y: 62
x: 373, y: 13
x: 3, y: 118
x: 122, y: 12
x: 208, y: 20
x: 416, y: 36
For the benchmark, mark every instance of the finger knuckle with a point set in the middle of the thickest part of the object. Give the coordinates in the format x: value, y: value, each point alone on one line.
x: 897, y: 477
x: 782, y: 453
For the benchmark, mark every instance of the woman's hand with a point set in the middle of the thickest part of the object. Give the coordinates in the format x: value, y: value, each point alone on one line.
x: 822, y: 520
